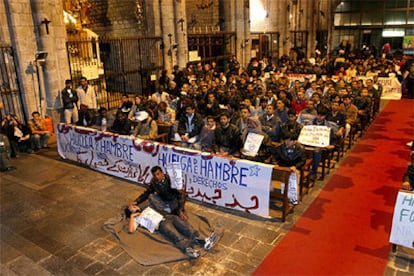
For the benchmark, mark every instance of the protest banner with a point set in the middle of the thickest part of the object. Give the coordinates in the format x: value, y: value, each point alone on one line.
x: 402, y: 230
x: 237, y: 184
x: 391, y: 87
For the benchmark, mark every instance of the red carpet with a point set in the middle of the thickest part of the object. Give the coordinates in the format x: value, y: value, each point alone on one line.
x: 346, y: 229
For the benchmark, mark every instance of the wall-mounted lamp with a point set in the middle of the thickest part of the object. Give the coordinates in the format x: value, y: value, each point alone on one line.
x: 41, y: 56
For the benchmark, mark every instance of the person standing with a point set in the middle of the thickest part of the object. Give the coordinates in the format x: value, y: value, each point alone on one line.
x: 87, y: 96
x: 40, y: 133
x: 70, y: 103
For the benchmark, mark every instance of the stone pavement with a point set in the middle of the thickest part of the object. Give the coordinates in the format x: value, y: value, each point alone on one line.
x: 52, y: 213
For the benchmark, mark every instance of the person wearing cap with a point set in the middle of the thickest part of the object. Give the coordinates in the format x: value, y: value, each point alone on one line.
x: 189, y: 127
x: 70, y: 103
x: 146, y: 127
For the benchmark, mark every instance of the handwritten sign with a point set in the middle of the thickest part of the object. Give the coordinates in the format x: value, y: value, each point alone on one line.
x: 402, y: 231
x: 236, y: 184
x: 149, y: 219
x: 252, y: 145
x: 293, y: 188
x: 315, y: 136
x: 176, y: 175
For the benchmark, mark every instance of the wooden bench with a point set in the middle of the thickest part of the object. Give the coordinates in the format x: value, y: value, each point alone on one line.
x: 281, y: 175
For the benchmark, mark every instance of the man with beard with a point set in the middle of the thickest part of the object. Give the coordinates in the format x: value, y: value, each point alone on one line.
x: 226, y: 137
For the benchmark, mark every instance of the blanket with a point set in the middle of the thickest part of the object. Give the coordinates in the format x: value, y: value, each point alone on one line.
x: 152, y: 249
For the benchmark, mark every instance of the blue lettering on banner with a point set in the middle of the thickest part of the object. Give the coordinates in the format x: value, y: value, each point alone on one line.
x: 207, y: 169
x: 115, y: 149
x: 210, y: 183
x: 81, y: 141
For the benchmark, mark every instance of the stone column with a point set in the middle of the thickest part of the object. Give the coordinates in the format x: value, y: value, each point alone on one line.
x: 50, y: 33
x: 180, y: 25
x: 168, y: 32
x: 20, y: 34
x: 242, y: 25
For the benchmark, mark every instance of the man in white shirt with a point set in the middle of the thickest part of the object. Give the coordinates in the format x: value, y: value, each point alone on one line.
x: 87, y: 94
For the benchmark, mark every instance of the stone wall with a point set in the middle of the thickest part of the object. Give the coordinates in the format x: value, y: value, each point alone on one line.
x: 115, y: 18
x: 202, y: 18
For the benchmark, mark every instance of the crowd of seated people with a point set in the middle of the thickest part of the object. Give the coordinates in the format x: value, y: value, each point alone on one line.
x: 206, y: 109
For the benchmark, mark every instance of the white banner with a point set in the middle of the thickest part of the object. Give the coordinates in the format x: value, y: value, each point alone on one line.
x: 236, y: 184
x: 391, y: 87
x: 315, y: 136
x: 402, y: 231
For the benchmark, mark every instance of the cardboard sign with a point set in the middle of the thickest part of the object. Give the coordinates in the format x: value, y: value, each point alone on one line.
x: 176, y: 175
x: 293, y: 189
x: 315, y: 136
x: 402, y: 231
x: 252, y: 145
x: 149, y: 219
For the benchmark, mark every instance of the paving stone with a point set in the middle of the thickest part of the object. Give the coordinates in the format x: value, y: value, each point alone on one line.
x: 29, y: 249
x: 41, y: 240
x: 401, y: 262
x: 66, y: 252
x: 25, y: 266
x: 103, y: 257
x: 389, y: 271
x: 402, y: 273
x: 158, y: 270
x: 8, y: 253
x: 116, y: 250
x: 6, y: 271
x: 95, y: 268
x: 245, y: 244
x: 229, y: 238
x: 58, y: 266
x: 260, y: 251
x: 108, y: 272
x: 81, y: 261
x: 120, y: 260
x: 260, y: 233
x: 132, y: 268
